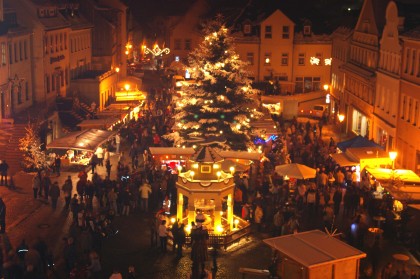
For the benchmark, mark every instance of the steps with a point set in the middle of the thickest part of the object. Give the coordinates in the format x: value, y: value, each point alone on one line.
x: 9, y: 150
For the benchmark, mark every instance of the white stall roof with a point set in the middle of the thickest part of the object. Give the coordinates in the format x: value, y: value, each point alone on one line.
x: 87, y: 140
x: 313, y: 248
x: 241, y: 155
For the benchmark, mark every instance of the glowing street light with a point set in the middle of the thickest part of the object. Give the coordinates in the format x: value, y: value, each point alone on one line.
x: 341, y: 118
x: 393, y: 155
x: 326, y: 86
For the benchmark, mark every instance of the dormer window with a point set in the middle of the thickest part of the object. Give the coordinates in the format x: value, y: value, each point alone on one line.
x: 247, y: 29
x: 307, y: 30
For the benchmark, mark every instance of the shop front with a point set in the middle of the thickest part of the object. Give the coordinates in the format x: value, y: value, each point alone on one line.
x: 360, y: 123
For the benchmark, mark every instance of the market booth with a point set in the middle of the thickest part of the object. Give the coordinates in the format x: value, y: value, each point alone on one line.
x: 402, y: 185
x: 80, y: 146
x: 314, y: 254
x: 372, y: 157
x: 172, y: 157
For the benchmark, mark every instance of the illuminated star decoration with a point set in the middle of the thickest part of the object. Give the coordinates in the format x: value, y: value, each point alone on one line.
x: 327, y: 61
x: 314, y: 60
x: 156, y: 51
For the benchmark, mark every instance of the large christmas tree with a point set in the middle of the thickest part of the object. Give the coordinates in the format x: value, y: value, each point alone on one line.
x: 221, y: 105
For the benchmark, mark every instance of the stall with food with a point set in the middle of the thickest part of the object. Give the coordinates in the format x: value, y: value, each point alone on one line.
x: 77, y: 148
x: 359, y: 158
x: 393, y: 189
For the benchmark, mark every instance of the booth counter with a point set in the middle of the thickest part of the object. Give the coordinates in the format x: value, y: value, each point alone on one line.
x: 80, y: 146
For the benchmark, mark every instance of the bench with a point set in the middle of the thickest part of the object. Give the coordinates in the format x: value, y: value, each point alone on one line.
x: 253, y: 271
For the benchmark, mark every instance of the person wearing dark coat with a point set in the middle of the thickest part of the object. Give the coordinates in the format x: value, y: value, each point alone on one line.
x: 46, y: 184
x: 2, y: 216
x: 337, y: 201
x: 54, y: 194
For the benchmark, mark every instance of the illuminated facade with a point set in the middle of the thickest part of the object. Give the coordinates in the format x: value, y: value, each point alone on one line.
x: 387, y: 82
x: 408, y: 119
x: 50, y: 52
x: 15, y: 65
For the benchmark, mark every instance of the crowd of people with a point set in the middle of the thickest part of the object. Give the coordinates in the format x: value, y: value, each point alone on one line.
x: 273, y: 204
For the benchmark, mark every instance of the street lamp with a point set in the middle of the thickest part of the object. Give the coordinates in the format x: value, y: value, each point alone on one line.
x: 326, y: 86
x: 341, y: 119
x: 393, y: 155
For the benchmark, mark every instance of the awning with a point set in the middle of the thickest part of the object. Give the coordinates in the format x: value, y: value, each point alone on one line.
x: 102, y: 123
x: 241, y: 155
x: 87, y: 140
x: 357, y: 141
x: 343, y: 160
x: 406, y: 176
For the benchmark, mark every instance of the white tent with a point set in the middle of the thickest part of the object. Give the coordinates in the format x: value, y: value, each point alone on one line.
x: 86, y: 140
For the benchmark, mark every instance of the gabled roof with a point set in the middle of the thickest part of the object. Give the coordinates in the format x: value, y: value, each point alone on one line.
x: 313, y: 248
x: 206, y: 154
x: 373, y: 11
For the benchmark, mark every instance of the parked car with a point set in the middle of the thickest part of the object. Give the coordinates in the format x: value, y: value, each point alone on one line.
x: 316, y: 111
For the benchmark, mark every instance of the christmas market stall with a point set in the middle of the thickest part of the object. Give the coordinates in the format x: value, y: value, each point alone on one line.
x: 393, y: 190
x: 171, y: 158
x: 79, y: 146
x: 314, y: 254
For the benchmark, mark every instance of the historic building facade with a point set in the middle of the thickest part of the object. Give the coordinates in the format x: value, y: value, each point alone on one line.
x: 360, y: 70
x: 387, y: 82
x: 15, y: 65
x: 408, y: 118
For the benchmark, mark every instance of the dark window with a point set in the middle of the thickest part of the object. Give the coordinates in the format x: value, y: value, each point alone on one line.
x: 301, y: 59
x: 187, y: 44
x: 268, y: 32
x: 26, y: 91
x: 177, y: 44
x: 10, y: 54
x: 25, y: 49
x: 284, y: 59
x: 285, y: 32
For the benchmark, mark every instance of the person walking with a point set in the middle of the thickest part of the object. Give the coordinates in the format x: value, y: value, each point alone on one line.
x: 57, y: 165
x: 95, y: 265
x: 4, y: 167
x: 145, y: 191
x: 258, y: 216
x: 36, y: 184
x: 181, y: 240
x: 125, y: 198
x: 117, y: 142
x: 67, y: 189
x: 337, y: 198
x: 100, y: 155
x: 54, y: 194
x: 93, y: 162
x: 46, y: 184
x: 163, y: 236
x: 2, y: 216
x: 108, y: 167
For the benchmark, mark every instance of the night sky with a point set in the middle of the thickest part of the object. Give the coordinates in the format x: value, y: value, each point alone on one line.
x: 325, y: 15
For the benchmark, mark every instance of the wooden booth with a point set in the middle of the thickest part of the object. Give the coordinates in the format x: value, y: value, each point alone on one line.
x: 315, y: 255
